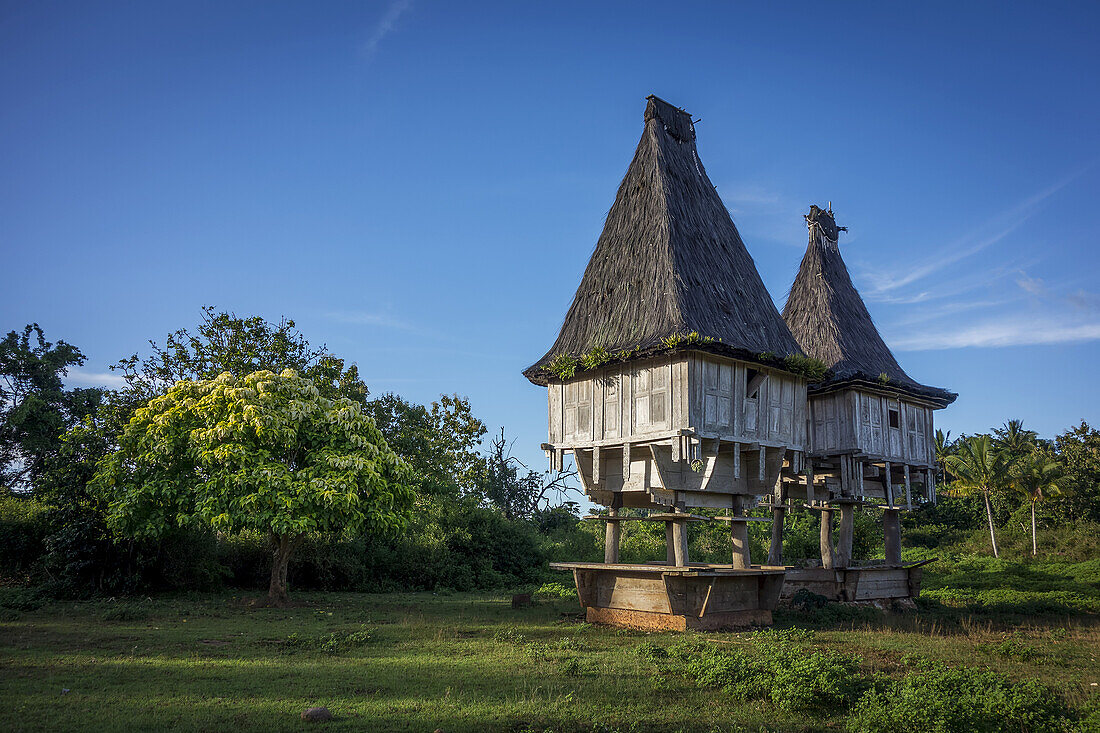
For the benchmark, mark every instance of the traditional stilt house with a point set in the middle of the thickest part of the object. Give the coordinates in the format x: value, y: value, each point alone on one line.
x: 674, y: 383
x: 870, y: 424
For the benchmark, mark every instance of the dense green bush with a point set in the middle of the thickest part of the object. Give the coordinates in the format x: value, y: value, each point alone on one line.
x: 458, y: 546
x: 945, y: 700
x: 22, y: 536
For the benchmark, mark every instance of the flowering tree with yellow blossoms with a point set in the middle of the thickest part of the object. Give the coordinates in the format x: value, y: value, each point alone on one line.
x: 262, y: 452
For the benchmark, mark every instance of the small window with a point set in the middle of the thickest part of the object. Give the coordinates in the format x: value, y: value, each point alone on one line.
x: 895, y: 421
x: 753, y: 380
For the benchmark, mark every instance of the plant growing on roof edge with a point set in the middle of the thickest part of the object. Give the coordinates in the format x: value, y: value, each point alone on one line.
x: 884, y: 378
x: 686, y: 339
x: 563, y: 366
x: 596, y: 357
x: 813, y: 369
x: 262, y: 452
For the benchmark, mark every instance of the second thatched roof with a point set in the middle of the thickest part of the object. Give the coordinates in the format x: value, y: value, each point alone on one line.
x: 670, y: 262
x: 830, y: 321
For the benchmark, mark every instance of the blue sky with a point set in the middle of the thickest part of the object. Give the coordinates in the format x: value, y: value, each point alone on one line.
x: 420, y: 184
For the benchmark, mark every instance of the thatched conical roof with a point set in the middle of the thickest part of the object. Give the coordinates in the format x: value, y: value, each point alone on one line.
x: 669, y: 261
x: 830, y: 321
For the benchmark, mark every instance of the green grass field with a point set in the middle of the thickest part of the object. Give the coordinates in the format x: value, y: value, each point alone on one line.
x: 469, y: 662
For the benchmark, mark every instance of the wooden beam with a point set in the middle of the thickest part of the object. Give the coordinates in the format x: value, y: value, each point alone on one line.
x: 596, y: 465
x: 763, y: 462
x: 626, y: 462
x: 737, y: 460
x: 908, y: 493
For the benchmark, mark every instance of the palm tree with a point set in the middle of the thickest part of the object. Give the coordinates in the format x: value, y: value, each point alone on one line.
x: 944, y: 447
x: 1013, y: 439
x: 1037, y: 477
x: 978, y: 468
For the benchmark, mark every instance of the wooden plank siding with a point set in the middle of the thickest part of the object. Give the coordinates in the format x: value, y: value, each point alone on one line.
x: 851, y: 421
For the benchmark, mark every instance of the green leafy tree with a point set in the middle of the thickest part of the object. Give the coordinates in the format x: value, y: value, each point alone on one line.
x: 978, y: 468
x: 1079, y: 450
x: 35, y: 407
x: 440, y: 442
x: 1036, y: 477
x: 226, y: 342
x: 260, y: 452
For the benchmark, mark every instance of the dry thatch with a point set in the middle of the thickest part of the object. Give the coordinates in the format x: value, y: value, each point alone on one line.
x: 831, y: 323
x: 669, y: 261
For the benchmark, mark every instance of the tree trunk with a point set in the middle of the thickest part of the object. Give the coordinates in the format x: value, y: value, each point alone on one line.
x: 1034, y: 544
x: 989, y: 516
x: 282, y: 546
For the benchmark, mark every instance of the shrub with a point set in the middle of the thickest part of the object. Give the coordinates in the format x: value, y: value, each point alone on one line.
x: 946, y: 700
x: 22, y: 535
x: 555, y: 590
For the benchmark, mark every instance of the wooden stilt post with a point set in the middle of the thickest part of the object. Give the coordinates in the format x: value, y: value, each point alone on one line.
x: 676, y: 539
x: 828, y: 552
x: 810, y: 481
x: 908, y: 492
x: 611, y: 538
x: 739, y: 534
x: 847, y: 531
x: 892, y: 530
x: 888, y: 484
x: 775, y: 551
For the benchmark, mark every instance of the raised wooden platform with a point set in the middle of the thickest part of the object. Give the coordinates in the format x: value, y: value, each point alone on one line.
x: 676, y: 598
x: 863, y: 583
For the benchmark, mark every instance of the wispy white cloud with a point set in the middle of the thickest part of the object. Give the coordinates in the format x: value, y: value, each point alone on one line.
x: 366, y: 318
x: 80, y: 378
x: 1000, y: 333
x: 930, y: 314
x: 385, y: 25
x: 1033, y: 285
x: 885, y: 283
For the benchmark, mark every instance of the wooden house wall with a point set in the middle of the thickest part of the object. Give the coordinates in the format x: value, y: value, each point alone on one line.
x: 857, y: 421
x: 720, y: 405
x: 644, y: 400
x: 620, y: 403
